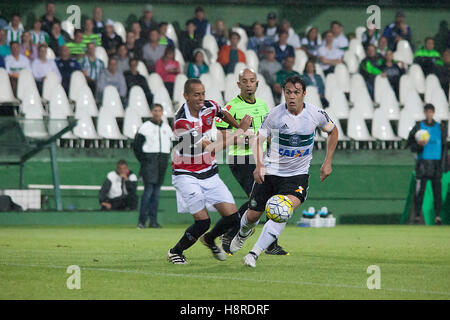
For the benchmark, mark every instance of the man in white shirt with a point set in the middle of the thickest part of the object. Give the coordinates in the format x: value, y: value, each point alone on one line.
x: 329, y: 56
x: 340, y: 41
x: 14, y: 63
x: 293, y: 38
x: 42, y: 66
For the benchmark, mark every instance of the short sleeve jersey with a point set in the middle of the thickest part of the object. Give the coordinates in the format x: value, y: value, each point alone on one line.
x: 292, y: 138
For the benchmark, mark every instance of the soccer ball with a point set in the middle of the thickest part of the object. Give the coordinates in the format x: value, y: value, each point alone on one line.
x: 279, y: 208
x: 422, y: 136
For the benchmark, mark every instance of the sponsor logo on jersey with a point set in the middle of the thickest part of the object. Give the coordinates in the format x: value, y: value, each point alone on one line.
x: 294, y: 153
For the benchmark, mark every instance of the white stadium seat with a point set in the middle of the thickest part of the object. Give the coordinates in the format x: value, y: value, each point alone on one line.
x: 59, y: 107
x: 357, y: 48
x: 31, y: 105
x: 171, y: 34
x: 162, y: 97
x: 359, y: 32
x: 85, y: 104
x: 357, y: 85
x: 431, y: 82
x: 26, y: 83
x: 213, y: 93
x: 252, y: 60
x: 68, y: 27
x: 405, y: 124
x: 338, y: 104
x: 351, y: 60
x: 85, y: 129
x: 439, y: 101
x: 342, y: 76
x: 389, y: 106
x: 330, y: 85
x: 180, y: 59
x: 120, y: 30
x: 417, y: 78
x: 238, y: 68
x: 131, y: 122
x: 242, y: 45
x: 265, y: 93
x: 111, y: 102
x: 231, y: 88
x: 414, y: 105
x: 142, y: 69
x: 335, y: 119
x: 6, y: 92
x: 107, y: 127
x: 313, y: 97
x: 357, y: 129
x: 50, y: 54
x: 138, y: 102
x: 300, y: 61
x: 178, y: 88
x: 363, y: 105
x: 50, y: 82
x: 381, y: 127
x: 405, y: 87
x: 101, y: 54
x: 207, y: 80
x: 217, y: 73
x: 404, y: 52
x: 77, y: 81
x: 209, y: 43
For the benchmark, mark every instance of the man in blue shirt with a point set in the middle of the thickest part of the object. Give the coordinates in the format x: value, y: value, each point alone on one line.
x: 398, y: 30
x: 430, y: 161
x: 66, y: 66
x: 201, y: 23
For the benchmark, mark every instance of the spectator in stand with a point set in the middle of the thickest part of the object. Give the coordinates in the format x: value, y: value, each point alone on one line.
x: 269, y: 66
x: 147, y: 21
x: 258, y: 41
x: 110, y: 40
x: 370, y: 36
x: 220, y: 33
x: 133, y: 78
x: 283, y: 74
x: 397, y: 31
x: 442, y: 37
x: 99, y: 25
x: 202, y: 26
x: 133, y: 50
x: 168, y: 68
x: 443, y: 72
x: 42, y: 66
x: 311, y: 43
x: 3, y: 22
x: 77, y: 47
x: 48, y: 19
x: 340, y: 41
x: 370, y: 67
x: 152, y: 51
x: 2, y: 62
x: 163, y: 39
x: 271, y: 26
x: 428, y: 58
x: 118, y: 192
x: 92, y: 66
x: 89, y: 35
x: 13, y: 30
x: 37, y: 35
x: 315, y: 80
x: 329, y: 56
x: 122, y: 58
x: 111, y: 77
x: 66, y: 65
x: 5, y: 49
x: 282, y: 48
x: 14, y: 63
x: 293, y: 40
x: 58, y: 38
x: 198, y: 66
x: 230, y: 55
x: 27, y: 47
x: 382, y: 46
x: 138, y: 40
x: 393, y: 70
x: 189, y: 41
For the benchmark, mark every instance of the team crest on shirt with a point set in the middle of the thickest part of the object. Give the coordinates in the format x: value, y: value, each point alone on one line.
x: 294, y: 140
x: 209, y: 121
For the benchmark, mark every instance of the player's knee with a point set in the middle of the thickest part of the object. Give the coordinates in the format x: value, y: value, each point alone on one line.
x: 233, y: 219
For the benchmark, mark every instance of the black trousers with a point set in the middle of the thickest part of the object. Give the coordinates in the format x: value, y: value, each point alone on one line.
x: 428, y: 170
x: 123, y: 203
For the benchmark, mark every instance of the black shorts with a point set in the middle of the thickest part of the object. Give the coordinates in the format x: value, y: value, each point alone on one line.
x: 272, y: 185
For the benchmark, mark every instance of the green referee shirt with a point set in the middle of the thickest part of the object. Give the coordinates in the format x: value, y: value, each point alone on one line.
x: 238, y: 108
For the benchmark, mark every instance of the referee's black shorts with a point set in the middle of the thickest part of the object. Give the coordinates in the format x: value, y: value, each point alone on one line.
x: 242, y: 170
x: 273, y: 185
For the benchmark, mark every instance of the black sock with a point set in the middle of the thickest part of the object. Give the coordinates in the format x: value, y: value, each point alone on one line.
x: 222, y: 226
x: 191, y: 235
x: 272, y: 246
x: 234, y: 230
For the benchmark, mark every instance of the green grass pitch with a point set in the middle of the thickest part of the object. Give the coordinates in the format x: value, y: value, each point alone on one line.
x: 121, y: 262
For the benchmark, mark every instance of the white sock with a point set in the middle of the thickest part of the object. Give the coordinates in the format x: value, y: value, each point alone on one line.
x: 246, y: 226
x: 270, y: 232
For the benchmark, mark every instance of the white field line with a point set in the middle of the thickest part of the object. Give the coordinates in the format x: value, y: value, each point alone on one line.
x: 205, y: 276
x: 82, y: 187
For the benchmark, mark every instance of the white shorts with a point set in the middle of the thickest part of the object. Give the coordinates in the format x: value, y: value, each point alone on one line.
x: 195, y: 194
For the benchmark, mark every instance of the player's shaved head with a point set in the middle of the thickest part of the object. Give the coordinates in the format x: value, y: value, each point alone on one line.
x: 248, y: 83
x: 246, y: 71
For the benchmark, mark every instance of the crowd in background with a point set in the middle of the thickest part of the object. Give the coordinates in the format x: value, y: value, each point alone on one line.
x: 274, y: 42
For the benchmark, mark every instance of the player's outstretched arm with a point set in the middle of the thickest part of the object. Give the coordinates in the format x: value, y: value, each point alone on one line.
x: 229, y: 138
x: 228, y: 118
x: 332, y: 141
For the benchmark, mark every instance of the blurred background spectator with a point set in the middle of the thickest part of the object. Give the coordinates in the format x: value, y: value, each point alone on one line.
x: 198, y: 66
x: 147, y: 21
x: 370, y: 67
x: 258, y: 41
x: 282, y: 48
x: 66, y: 65
x: 427, y: 57
x: 315, y: 80
x: 27, y: 47
x: 41, y: 66
x: 397, y: 31
x: 189, y: 41
x: 230, y: 55
x: 329, y: 55
x: 133, y: 78
x: 92, y: 67
x: 152, y: 51
x: 311, y: 43
x: 110, y: 40
x: 168, y: 68
x: 220, y: 33
x: 269, y: 66
x: 111, y: 77
x: 202, y: 25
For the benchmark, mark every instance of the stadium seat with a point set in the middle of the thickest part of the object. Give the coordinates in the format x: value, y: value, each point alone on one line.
x: 231, y: 88
x: 414, y: 105
x: 213, y: 93
x: 439, y: 101
x: 242, y: 45
x: 26, y: 83
x: 265, y: 93
x: 405, y: 124
x: 312, y: 96
x: 261, y: 78
x: 178, y: 88
x: 405, y: 87
x: 50, y: 82
x: 50, y: 54
x: 207, y: 80
x: 31, y: 105
x: 363, y: 104
x: 120, y: 30
x: 6, y: 92
x: 357, y: 48
x: 217, y: 73
x: 431, y: 81
x: 338, y: 104
x: 357, y: 85
x: 319, y: 70
x: 342, y: 76
x: 389, y: 106
x: 142, y: 69
x: 357, y: 129
x: 138, y: 102
x: 417, y: 78
x: 85, y: 104
x: 252, y: 60
x: 300, y: 61
x: 330, y: 85
x: 381, y: 127
x: 111, y: 102
x: 209, y: 43
x: 359, y: 32
x: 107, y: 127
x: 131, y: 122
x: 404, y: 52
x: 85, y: 129
x: 34, y: 129
x: 155, y: 82
x: 59, y: 107
x: 68, y: 27
x: 180, y: 59
x: 77, y: 81
x: 171, y: 34
x: 381, y: 88
x: 351, y: 60
x: 101, y: 54
x: 238, y: 68
x: 163, y: 98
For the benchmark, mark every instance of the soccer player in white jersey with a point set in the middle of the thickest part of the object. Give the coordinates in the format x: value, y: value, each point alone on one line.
x: 284, y: 170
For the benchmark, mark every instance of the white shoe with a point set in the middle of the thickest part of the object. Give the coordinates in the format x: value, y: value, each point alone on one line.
x: 176, y: 258
x: 217, y: 252
x: 238, y: 241
x: 250, y: 259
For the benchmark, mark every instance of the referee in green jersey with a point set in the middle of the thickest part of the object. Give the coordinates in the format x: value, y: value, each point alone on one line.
x: 240, y: 157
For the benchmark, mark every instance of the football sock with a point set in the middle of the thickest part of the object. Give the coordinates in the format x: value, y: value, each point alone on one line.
x: 222, y: 226
x: 270, y: 232
x: 246, y: 226
x: 232, y: 232
x: 191, y: 235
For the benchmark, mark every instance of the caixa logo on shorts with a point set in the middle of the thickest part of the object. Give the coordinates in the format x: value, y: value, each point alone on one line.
x: 295, y: 153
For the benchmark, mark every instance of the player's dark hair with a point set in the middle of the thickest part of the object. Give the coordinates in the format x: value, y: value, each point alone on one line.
x: 428, y: 38
x: 190, y: 21
x: 199, y: 9
x: 77, y: 31
x: 428, y: 106
x: 189, y: 83
x: 156, y: 105
x: 335, y: 22
x: 122, y: 162
x: 234, y: 33
x: 294, y: 80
